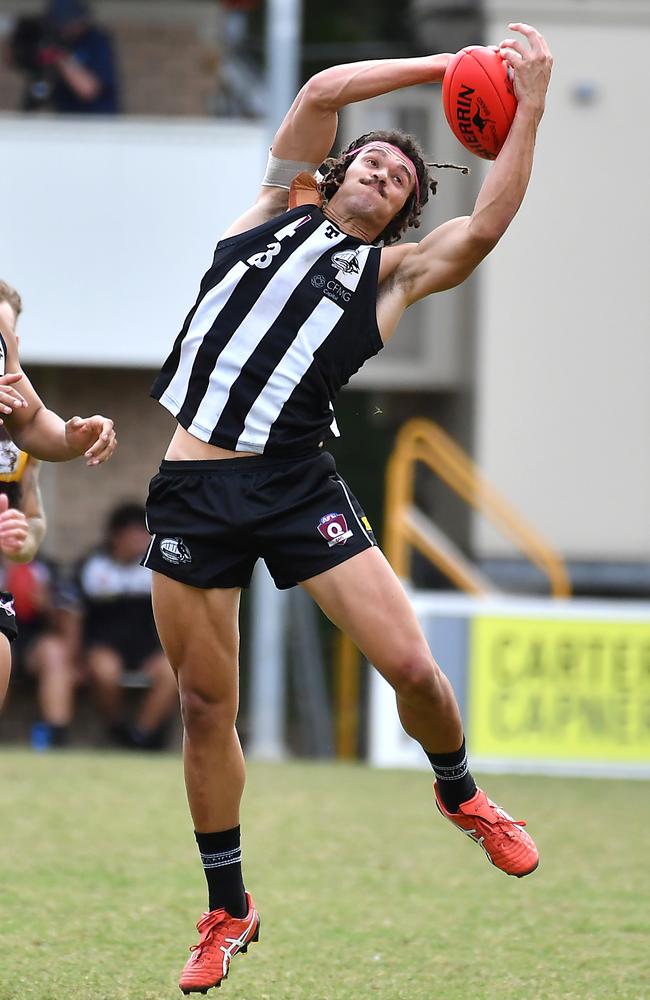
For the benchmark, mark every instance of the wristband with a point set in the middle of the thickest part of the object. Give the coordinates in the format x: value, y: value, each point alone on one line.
x: 280, y: 173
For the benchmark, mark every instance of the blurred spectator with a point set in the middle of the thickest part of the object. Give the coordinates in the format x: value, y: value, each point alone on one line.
x: 68, y: 59
x: 119, y: 632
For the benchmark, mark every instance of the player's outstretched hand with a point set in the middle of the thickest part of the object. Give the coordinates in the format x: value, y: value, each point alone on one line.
x: 14, y: 527
x: 531, y: 65
x: 92, y: 437
x: 10, y: 398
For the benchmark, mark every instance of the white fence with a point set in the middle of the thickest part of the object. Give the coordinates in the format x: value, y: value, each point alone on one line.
x: 554, y: 687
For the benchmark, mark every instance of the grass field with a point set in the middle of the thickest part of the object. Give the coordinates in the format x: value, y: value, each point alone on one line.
x: 364, y: 891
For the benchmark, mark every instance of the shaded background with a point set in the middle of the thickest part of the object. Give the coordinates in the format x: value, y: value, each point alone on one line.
x: 537, y: 365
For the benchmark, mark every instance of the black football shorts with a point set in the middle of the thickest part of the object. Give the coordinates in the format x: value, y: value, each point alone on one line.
x: 210, y: 521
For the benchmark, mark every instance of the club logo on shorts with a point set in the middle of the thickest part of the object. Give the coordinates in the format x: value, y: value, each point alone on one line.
x: 334, y: 529
x: 346, y: 261
x: 175, y: 551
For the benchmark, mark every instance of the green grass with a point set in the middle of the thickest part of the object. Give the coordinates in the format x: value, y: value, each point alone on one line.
x: 365, y: 892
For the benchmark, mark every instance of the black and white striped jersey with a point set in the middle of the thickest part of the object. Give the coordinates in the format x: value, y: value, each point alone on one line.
x: 285, y: 316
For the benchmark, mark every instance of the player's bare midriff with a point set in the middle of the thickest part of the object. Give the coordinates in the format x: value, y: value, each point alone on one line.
x: 184, y: 447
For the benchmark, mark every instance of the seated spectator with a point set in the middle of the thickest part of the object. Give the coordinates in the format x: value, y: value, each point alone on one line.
x: 68, y: 60
x: 119, y: 632
x: 82, y: 55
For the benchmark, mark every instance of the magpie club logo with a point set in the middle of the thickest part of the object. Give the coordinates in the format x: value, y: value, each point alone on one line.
x: 346, y: 261
x: 175, y: 551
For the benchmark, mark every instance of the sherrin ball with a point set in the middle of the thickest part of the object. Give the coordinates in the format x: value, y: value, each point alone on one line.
x: 479, y: 99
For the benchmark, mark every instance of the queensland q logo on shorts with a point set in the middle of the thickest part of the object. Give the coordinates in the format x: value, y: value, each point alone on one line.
x: 334, y: 529
x: 174, y: 550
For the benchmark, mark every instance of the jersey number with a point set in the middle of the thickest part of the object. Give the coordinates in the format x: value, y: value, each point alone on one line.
x: 264, y: 258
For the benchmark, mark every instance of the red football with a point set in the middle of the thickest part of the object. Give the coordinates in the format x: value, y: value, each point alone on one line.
x: 479, y: 99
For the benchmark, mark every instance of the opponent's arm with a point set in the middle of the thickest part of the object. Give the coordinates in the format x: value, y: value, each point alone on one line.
x: 31, y: 505
x: 45, y: 435
x: 23, y: 530
x: 449, y: 254
x: 41, y: 432
x: 308, y: 130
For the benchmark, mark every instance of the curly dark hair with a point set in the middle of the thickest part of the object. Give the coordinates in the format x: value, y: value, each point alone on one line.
x: 409, y: 214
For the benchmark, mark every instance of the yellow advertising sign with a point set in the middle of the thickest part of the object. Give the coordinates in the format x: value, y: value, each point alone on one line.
x: 559, y: 689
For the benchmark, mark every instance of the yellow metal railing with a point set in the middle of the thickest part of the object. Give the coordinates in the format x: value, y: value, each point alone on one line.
x: 426, y: 442
x: 406, y: 528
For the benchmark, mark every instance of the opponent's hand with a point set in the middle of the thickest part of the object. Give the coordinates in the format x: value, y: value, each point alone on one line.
x: 531, y: 66
x: 92, y: 437
x: 10, y: 398
x: 14, y: 527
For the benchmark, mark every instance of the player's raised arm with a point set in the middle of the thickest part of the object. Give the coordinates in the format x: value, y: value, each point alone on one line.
x: 307, y: 133
x: 450, y: 253
x: 309, y: 128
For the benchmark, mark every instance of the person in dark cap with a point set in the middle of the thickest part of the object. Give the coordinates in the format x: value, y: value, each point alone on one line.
x: 82, y: 58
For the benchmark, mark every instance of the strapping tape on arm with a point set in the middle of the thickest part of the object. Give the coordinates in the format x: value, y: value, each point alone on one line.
x: 280, y: 173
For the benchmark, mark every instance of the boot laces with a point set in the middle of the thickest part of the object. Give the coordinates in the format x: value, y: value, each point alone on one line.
x: 505, y: 822
x: 207, y: 926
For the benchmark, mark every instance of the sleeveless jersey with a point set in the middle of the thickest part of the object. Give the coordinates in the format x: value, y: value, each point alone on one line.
x: 13, y: 461
x: 285, y: 316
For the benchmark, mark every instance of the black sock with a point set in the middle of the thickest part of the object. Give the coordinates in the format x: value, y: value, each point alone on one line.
x: 221, y: 859
x: 455, y: 783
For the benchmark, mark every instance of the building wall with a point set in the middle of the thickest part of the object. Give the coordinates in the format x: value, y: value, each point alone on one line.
x: 111, y: 225
x: 563, y: 409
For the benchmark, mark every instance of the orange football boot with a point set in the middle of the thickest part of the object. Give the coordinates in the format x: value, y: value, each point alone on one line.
x: 505, y: 843
x: 222, y: 937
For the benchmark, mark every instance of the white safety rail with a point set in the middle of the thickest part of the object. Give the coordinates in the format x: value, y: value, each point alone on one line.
x: 545, y: 686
